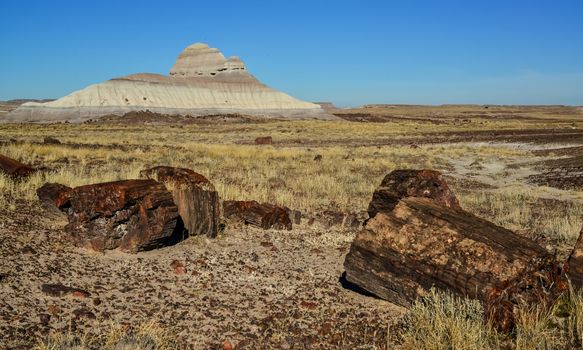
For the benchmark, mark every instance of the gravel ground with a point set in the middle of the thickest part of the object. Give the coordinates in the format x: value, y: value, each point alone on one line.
x: 253, y: 288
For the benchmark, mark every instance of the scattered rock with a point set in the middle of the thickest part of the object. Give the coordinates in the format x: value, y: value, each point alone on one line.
x: 84, y: 313
x: 51, y: 141
x: 267, y: 140
x: 132, y: 215
x: 14, y: 168
x: 411, y: 183
x: 178, y: 267
x: 28, y: 250
x: 310, y: 305
x: 196, y: 198
x: 60, y: 290
x: 54, y: 310
x: 44, y: 318
x: 295, y: 216
x: 227, y: 345
x: 263, y: 215
x: 352, y: 221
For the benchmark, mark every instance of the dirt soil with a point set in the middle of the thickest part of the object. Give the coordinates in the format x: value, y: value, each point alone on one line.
x: 256, y: 289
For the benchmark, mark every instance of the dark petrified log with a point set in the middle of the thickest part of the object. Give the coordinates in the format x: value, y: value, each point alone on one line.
x: 133, y: 215
x: 197, y: 200
x: 55, y: 195
x: 262, y: 215
x: 421, y: 243
x: 575, y: 263
x: 411, y: 183
x: 54, y: 199
x: 14, y: 168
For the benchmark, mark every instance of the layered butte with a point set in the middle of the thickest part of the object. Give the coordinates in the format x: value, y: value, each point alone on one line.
x: 201, y: 82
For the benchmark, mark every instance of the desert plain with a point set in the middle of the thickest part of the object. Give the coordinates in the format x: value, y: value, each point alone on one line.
x: 517, y: 166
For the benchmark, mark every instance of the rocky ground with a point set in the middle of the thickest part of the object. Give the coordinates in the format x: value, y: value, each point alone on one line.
x: 262, y: 289
x: 250, y: 287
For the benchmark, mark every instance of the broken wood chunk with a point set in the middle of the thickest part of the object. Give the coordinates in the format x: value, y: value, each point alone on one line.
x: 132, y: 215
x: 197, y: 200
x: 400, y: 184
x: 14, y: 168
x: 261, y: 215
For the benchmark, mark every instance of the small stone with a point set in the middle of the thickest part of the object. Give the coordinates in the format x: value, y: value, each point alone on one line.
x: 227, y: 345
x: 51, y: 141
x: 54, y: 310
x: 96, y: 301
x: 310, y: 305
x: 28, y: 250
x: 84, y: 313
x: 266, y: 140
x: 178, y: 267
x: 81, y: 294
x: 44, y: 318
x: 59, y: 290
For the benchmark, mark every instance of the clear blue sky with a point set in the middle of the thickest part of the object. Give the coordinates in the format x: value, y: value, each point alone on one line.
x: 347, y: 52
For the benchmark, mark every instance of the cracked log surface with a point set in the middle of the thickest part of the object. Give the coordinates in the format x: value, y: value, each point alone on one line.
x: 197, y: 200
x: 132, y: 215
x: 420, y: 244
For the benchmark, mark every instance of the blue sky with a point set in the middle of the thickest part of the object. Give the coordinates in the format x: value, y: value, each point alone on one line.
x: 347, y: 52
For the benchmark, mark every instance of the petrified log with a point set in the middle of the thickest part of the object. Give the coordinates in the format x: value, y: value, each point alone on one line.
x: 262, y: 215
x: 14, y: 168
x: 411, y: 183
x: 575, y: 263
x: 197, y: 200
x: 132, y: 215
x: 54, y: 195
x: 54, y: 199
x: 266, y: 140
x: 400, y: 254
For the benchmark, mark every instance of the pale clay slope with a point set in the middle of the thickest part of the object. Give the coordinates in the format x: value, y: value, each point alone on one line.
x: 201, y: 82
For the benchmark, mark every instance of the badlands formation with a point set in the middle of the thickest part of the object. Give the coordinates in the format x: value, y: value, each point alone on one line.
x: 201, y: 82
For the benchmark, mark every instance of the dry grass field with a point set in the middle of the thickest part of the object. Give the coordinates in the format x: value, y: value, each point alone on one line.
x: 274, y: 289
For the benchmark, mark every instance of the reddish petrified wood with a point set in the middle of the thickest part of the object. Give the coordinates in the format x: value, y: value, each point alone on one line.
x: 197, y: 200
x: 266, y: 140
x: 14, y: 168
x: 575, y: 263
x: 54, y: 194
x: 133, y: 215
x: 411, y: 183
x: 541, y: 284
x: 262, y: 215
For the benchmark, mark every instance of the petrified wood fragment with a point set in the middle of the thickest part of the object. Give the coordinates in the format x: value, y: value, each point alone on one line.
x: 54, y: 199
x: 411, y: 183
x: 132, y: 215
x: 265, y: 140
x: 14, y: 168
x: 55, y: 195
x: 197, y: 200
x: 575, y: 263
x: 262, y: 215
